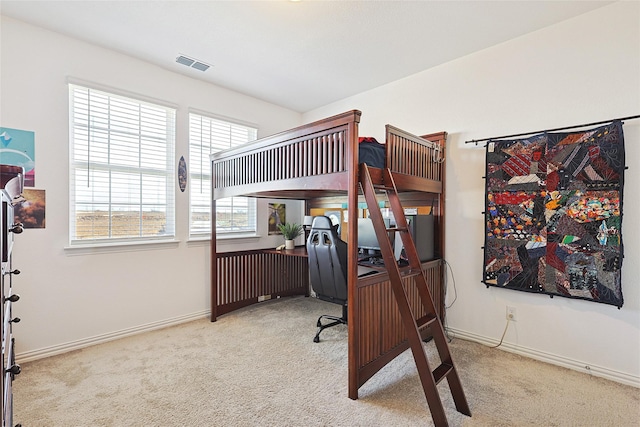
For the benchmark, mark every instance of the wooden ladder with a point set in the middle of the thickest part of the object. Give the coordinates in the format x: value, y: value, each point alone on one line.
x: 413, y: 326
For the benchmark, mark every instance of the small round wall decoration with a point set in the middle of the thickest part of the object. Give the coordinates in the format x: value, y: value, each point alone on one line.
x: 182, y: 174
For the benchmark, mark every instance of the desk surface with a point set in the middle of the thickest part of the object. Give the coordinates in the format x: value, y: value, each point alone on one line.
x: 299, y: 251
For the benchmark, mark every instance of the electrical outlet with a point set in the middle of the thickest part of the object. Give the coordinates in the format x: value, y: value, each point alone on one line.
x: 511, y: 313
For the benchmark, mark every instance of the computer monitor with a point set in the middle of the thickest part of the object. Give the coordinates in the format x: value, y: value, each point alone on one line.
x: 422, y: 231
x: 367, y: 235
x: 367, y: 239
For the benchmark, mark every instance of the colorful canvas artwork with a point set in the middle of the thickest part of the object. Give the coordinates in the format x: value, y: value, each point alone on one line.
x: 17, y: 147
x: 277, y: 215
x: 31, y: 212
x: 554, y: 214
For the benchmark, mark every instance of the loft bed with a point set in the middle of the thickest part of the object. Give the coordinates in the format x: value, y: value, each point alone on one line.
x: 318, y: 163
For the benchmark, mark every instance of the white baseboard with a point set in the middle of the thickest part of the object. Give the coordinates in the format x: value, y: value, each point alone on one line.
x: 553, y: 359
x: 29, y: 356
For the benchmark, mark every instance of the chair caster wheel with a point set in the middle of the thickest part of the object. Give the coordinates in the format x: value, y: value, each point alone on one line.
x: 316, y: 339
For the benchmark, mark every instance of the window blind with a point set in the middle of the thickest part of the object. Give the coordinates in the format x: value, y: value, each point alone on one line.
x: 121, y: 168
x: 209, y: 135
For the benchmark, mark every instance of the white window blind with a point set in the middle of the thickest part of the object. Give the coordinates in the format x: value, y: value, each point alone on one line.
x: 208, y: 135
x: 122, y: 168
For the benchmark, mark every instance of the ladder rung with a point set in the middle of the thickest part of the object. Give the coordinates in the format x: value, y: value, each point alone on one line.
x: 400, y: 229
x: 442, y: 371
x: 425, y: 320
x: 383, y: 187
x: 410, y: 273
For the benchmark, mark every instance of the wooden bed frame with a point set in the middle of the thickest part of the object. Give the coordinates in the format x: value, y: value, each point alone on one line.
x: 318, y: 163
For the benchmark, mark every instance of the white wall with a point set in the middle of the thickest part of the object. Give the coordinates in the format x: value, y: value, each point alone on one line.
x: 70, y: 299
x: 580, y: 71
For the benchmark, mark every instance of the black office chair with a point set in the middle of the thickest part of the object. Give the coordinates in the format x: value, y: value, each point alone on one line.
x: 328, y: 269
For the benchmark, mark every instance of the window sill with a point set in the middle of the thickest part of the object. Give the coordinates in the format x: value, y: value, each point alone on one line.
x: 111, y: 247
x: 228, y: 237
x: 225, y: 239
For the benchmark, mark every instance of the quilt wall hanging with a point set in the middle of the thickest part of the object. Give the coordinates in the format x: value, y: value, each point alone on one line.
x: 553, y: 212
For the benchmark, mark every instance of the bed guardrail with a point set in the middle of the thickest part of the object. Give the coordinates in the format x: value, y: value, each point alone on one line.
x: 415, y: 156
x: 303, y: 152
x: 316, y: 155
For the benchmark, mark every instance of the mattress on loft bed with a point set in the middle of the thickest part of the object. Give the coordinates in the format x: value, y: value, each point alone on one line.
x: 371, y: 152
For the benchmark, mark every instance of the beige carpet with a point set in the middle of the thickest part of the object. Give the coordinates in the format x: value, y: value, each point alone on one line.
x: 259, y: 367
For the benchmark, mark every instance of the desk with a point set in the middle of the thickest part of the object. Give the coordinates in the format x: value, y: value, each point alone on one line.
x: 247, y: 277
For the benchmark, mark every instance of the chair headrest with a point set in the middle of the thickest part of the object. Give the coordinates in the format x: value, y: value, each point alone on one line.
x: 321, y: 223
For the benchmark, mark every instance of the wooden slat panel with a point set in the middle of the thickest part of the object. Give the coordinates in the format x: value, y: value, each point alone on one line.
x: 381, y: 329
x: 242, y: 277
x: 314, y: 156
x: 412, y: 155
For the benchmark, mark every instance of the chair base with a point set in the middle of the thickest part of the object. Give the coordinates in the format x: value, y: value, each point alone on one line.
x: 335, y: 321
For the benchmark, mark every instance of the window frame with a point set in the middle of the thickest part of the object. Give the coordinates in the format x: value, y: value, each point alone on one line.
x: 154, y: 168
x: 199, y: 173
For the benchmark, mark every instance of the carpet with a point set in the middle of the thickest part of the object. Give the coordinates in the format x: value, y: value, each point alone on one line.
x: 259, y: 367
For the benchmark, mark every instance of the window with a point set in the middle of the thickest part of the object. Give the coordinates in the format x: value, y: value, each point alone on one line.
x: 122, y: 168
x: 208, y: 135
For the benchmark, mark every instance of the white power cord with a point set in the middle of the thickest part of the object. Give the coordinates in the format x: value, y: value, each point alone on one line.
x: 503, y: 334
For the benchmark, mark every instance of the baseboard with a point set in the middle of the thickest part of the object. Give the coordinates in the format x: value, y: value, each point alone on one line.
x: 554, y: 359
x: 29, y: 356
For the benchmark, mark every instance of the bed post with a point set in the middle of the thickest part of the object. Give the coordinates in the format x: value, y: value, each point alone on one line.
x: 352, y: 254
x: 441, y: 220
x: 214, y: 252
x: 440, y: 138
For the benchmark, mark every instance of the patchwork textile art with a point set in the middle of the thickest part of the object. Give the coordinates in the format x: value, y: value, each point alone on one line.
x: 553, y: 214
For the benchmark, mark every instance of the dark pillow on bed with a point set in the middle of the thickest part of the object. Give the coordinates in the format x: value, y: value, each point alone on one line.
x: 371, y: 152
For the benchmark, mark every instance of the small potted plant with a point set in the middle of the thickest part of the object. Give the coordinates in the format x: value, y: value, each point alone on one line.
x: 290, y: 230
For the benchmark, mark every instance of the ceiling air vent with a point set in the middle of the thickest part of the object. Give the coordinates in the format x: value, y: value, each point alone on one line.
x: 200, y: 66
x: 184, y: 60
x: 192, y: 63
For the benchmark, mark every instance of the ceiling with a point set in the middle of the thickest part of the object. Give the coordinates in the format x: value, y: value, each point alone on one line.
x: 297, y: 54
